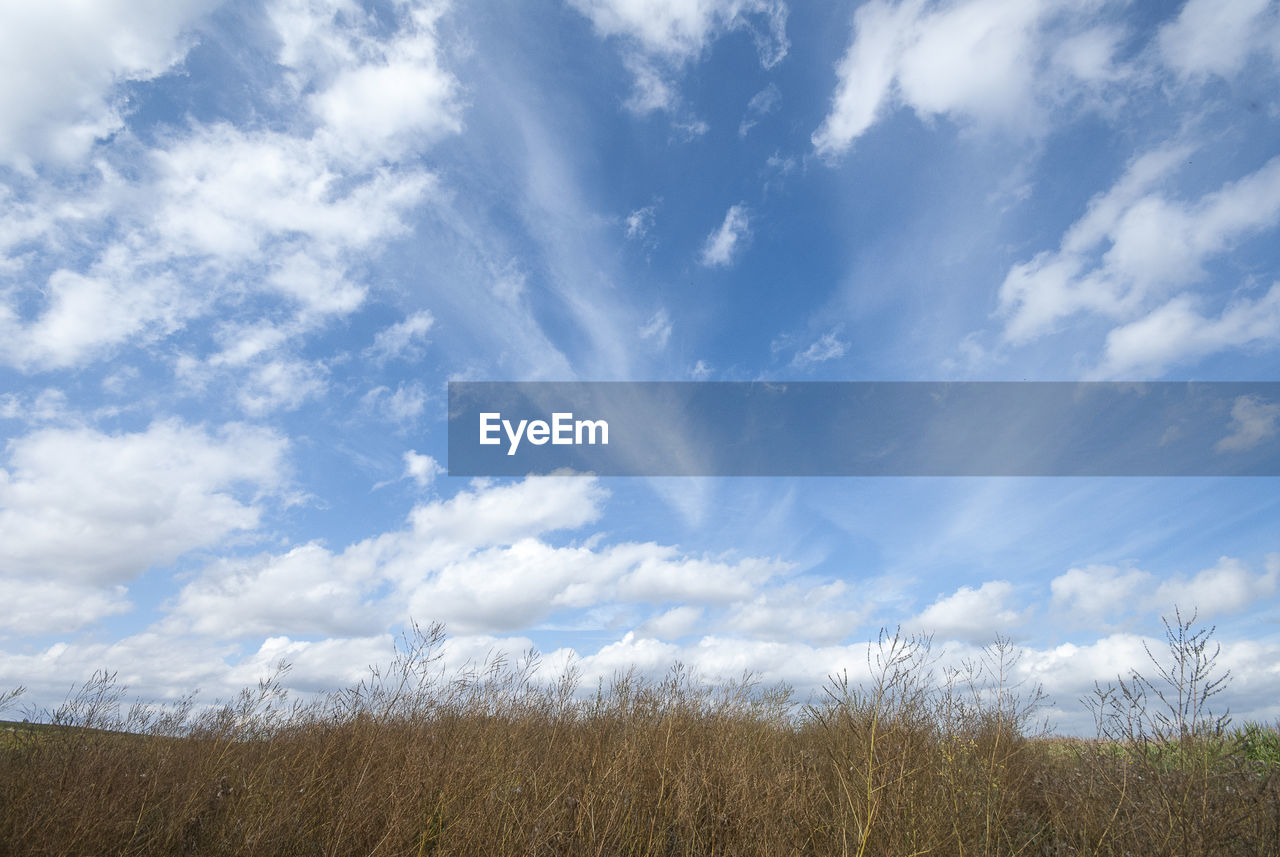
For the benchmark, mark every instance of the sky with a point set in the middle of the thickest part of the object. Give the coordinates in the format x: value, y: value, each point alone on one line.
x: 244, y: 247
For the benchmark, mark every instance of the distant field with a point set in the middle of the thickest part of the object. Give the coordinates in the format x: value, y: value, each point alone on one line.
x: 414, y: 762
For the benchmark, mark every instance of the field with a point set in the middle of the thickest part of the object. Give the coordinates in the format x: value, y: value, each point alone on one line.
x: 911, y: 760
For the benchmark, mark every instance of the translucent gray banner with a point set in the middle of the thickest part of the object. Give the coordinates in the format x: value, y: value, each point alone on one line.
x: 865, y: 429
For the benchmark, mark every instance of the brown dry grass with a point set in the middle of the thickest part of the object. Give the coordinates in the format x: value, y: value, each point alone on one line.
x: 417, y: 762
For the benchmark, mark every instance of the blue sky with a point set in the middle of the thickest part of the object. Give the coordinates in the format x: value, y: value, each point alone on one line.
x: 243, y: 247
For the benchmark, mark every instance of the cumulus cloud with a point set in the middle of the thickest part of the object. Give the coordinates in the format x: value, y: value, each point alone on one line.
x: 1132, y: 248
x: 1227, y: 587
x: 506, y: 588
x: 133, y: 500
x: 44, y: 605
x: 824, y: 614
x: 227, y: 192
x: 85, y: 316
x: 728, y: 241
x: 305, y: 591
x: 220, y: 215
x: 422, y: 469
x: 1101, y: 594
x: 972, y: 615
x: 1214, y: 37
x: 999, y: 62
x: 62, y: 64
x: 479, y: 561
x: 389, y: 577
x: 283, y: 384
x: 672, y: 624
x: 1098, y: 593
x: 1177, y: 333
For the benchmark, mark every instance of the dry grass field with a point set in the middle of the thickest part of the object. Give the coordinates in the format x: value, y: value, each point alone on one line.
x: 414, y: 761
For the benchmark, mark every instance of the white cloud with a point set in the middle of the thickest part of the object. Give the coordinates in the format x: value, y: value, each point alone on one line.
x: 761, y: 104
x: 701, y: 371
x: 973, y: 615
x: 1176, y: 333
x: 477, y: 561
x: 999, y: 62
x: 312, y: 41
x: 660, y: 36
x: 657, y: 329
x: 223, y: 202
x: 305, y: 591
x: 86, y: 316
x: 402, y: 406
x: 1088, y: 56
x: 680, y: 29
x: 829, y: 346
x: 404, y: 339
x: 422, y: 469
x: 672, y: 624
x: 823, y: 614
x: 866, y: 73
x: 1218, y: 36
x: 1131, y: 248
x: 1097, y: 593
x: 407, y: 403
x: 218, y: 215
x: 419, y: 571
x: 726, y: 242
x: 1069, y: 671
x: 505, y: 588
x: 395, y: 103
x: 316, y: 284
x: 1036, y: 294
x: 283, y: 384
x: 379, y: 94
x: 62, y: 63
x: 242, y: 345
x: 1227, y: 587
x: 652, y: 90
x: 661, y: 574
x: 640, y: 221
x: 49, y: 605
x: 80, y: 505
x: 158, y: 665
x: 226, y: 192
x: 1252, y: 422
x: 47, y: 406
x: 315, y: 666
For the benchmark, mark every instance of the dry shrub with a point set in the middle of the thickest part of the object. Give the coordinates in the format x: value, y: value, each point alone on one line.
x: 416, y: 760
